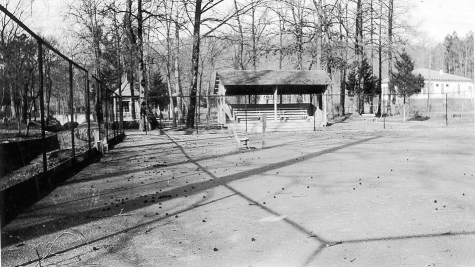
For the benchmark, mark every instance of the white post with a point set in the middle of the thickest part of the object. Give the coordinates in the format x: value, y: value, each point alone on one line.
x: 324, y: 107
x: 404, y: 109
x: 275, y: 104
x: 264, y: 125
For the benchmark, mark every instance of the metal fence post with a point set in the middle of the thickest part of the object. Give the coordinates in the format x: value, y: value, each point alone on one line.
x: 42, y: 103
x: 113, y: 117
x: 107, y: 113
x: 98, y: 106
x: 88, y: 115
x: 446, y: 115
x: 197, y: 106
x: 71, y: 108
x: 245, y: 113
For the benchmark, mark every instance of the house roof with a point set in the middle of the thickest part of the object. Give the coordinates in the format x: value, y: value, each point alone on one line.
x: 438, y: 76
x: 125, y: 89
x: 272, y: 77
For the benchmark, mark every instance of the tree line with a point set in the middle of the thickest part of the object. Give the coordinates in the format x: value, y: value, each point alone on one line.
x: 169, y: 49
x: 453, y: 55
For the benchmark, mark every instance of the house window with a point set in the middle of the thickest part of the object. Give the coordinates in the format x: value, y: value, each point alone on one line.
x: 437, y: 85
x: 458, y: 88
x: 125, y: 105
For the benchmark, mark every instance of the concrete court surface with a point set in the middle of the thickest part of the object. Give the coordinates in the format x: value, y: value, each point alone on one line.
x: 349, y: 195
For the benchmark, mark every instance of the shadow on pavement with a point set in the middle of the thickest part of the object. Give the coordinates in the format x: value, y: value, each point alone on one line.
x: 87, y: 216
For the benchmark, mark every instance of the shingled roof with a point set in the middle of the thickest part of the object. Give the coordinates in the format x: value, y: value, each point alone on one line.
x: 437, y: 76
x: 273, y: 77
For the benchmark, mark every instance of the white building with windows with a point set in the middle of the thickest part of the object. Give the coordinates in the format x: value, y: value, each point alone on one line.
x: 127, y: 101
x: 437, y: 84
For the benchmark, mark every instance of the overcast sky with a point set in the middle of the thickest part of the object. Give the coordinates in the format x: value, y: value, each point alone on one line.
x: 437, y: 17
x: 442, y: 17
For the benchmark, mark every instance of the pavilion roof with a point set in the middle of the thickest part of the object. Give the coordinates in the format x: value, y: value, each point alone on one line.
x: 273, y: 77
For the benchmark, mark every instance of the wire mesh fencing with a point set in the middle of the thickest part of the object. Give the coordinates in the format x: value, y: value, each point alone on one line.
x: 53, y: 110
x: 452, y: 107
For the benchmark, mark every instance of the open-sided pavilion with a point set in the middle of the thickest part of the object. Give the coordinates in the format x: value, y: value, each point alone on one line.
x: 298, y: 113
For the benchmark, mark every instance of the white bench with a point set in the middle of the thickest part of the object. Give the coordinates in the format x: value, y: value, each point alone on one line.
x: 101, y: 145
x: 367, y: 117
x: 245, y: 141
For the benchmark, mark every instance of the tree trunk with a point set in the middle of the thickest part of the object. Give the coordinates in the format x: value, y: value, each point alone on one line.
x: 390, y: 52
x: 380, y: 63
x: 241, y: 39
x: 178, y: 88
x: 194, y: 65
x: 12, y: 102
x: 342, y: 90
x: 133, y: 44
x: 141, y: 70
x: 171, y: 105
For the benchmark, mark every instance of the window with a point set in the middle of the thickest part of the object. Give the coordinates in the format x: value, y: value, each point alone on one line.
x: 125, y: 105
x: 437, y: 85
x: 458, y: 88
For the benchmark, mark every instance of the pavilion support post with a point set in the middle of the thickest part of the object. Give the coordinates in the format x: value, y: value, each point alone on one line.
x: 317, y: 106
x: 314, y: 108
x: 324, y: 109
x: 275, y: 104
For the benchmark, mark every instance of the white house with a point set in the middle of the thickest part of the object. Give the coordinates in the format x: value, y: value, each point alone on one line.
x: 437, y: 84
x: 127, y: 101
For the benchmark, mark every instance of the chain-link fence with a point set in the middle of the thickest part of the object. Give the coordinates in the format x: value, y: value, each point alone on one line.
x: 304, y: 111
x: 450, y: 107
x: 53, y: 111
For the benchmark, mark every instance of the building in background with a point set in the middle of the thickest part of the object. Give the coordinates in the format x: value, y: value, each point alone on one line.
x: 437, y: 84
x: 127, y: 101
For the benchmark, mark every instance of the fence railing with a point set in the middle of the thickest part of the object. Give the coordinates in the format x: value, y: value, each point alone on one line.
x: 53, y: 109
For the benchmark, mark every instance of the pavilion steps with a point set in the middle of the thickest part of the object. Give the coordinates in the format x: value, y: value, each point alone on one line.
x: 272, y: 126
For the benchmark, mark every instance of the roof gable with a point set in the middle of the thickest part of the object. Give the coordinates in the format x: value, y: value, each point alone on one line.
x: 125, y: 89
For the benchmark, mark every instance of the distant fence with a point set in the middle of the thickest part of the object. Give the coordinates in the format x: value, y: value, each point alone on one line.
x: 449, y: 107
x: 452, y: 107
x: 58, y: 97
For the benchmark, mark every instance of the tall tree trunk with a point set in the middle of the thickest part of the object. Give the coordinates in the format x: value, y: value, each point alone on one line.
x: 359, y: 55
x: 141, y: 70
x: 194, y: 65
x: 132, y: 47
x: 254, y: 38
x: 178, y: 88
x: 171, y: 108
x: 342, y: 90
x: 390, y: 49
x: 241, y: 39
x: 380, y: 63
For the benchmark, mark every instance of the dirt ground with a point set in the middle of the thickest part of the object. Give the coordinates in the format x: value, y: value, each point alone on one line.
x: 351, y: 194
